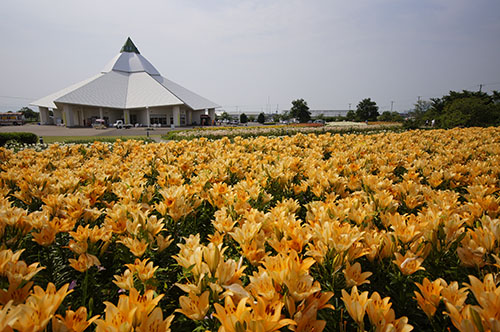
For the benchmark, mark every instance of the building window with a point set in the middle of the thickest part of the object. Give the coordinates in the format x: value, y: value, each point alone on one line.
x: 160, y: 119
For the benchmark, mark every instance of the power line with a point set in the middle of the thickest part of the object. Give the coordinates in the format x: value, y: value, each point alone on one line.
x: 17, y: 105
x: 14, y: 97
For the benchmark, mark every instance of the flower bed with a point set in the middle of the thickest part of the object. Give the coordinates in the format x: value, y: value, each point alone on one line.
x: 382, y: 232
x: 279, y: 130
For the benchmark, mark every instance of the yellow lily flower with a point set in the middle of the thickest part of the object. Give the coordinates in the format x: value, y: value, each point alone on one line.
x: 193, y: 306
x: 356, y: 304
x: 430, y: 295
x: 353, y: 275
x: 137, y: 247
x: 155, y: 322
x: 409, y: 263
x: 74, y: 321
x: 117, y: 318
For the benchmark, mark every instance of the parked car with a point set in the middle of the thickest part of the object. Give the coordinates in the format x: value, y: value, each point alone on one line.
x: 119, y: 125
x: 99, y: 124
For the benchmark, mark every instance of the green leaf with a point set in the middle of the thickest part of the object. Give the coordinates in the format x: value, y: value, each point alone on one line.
x: 476, y: 319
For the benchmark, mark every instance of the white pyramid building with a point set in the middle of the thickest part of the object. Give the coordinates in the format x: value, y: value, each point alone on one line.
x: 129, y: 88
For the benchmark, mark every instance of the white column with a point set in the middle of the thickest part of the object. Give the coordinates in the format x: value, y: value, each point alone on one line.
x: 44, y: 115
x: 211, y: 112
x: 68, y: 116
x: 81, y: 116
x: 100, y: 114
x: 126, y: 116
x: 189, y: 117
x: 58, y: 115
x: 177, y: 116
x: 148, y: 117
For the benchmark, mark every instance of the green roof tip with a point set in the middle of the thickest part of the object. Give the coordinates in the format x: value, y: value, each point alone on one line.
x: 129, y: 47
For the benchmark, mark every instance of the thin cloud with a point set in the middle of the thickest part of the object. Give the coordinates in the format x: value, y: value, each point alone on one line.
x: 331, y: 53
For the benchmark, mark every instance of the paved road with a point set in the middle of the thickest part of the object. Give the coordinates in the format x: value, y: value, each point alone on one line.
x: 63, y: 131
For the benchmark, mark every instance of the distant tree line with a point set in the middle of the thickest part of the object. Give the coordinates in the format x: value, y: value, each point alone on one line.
x: 457, y: 109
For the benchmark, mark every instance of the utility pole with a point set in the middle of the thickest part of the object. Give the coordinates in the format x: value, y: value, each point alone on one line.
x: 392, y: 103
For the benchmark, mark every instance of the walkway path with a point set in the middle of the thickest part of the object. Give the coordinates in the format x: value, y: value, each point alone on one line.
x: 63, y: 131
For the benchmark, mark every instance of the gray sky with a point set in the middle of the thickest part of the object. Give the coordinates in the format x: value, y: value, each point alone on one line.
x: 240, y: 53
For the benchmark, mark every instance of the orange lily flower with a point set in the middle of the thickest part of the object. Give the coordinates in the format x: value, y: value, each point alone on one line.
x: 353, y: 275
x: 155, y: 322
x: 430, y: 295
x: 409, y: 263
x: 75, y: 321
x: 193, y: 306
x: 356, y: 304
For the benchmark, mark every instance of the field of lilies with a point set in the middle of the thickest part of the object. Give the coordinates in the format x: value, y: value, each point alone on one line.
x: 333, y: 128
x: 381, y: 232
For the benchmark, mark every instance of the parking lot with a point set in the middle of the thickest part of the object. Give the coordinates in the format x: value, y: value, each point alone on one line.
x: 43, y: 130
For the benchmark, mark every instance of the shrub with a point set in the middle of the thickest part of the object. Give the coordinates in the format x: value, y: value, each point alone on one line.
x: 27, y: 138
x: 261, y: 118
x: 243, y: 118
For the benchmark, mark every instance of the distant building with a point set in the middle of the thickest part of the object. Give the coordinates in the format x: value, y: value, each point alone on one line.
x: 328, y: 113
x: 130, y: 89
x: 314, y: 113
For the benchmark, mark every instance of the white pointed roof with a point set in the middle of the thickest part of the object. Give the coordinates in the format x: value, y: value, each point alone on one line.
x: 48, y: 101
x: 130, y: 63
x: 129, y: 80
x: 121, y: 90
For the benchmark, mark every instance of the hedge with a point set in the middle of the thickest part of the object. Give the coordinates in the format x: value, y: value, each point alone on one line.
x: 28, y: 138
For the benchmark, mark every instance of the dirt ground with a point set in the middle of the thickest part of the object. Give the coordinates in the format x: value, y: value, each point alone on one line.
x: 41, y: 130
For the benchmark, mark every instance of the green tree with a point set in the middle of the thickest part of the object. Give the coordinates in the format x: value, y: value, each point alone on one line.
x: 350, y: 116
x: 251, y: 118
x: 390, y: 117
x: 261, y: 118
x: 470, y: 112
x: 285, y: 115
x: 367, y: 109
x: 243, y: 118
x: 495, y: 97
x: 419, y: 114
x: 225, y: 116
x: 463, y: 109
x: 421, y: 106
x: 28, y: 113
x: 300, y: 110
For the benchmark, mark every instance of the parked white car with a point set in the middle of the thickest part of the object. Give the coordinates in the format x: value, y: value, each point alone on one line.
x: 119, y: 125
